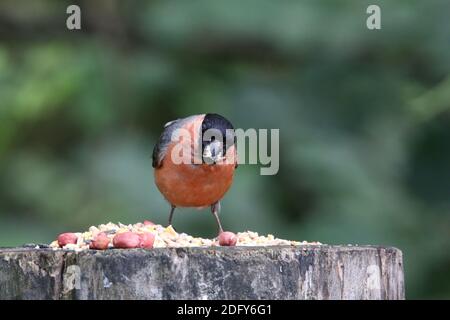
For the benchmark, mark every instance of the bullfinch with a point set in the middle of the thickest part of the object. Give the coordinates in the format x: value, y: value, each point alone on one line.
x: 194, y: 162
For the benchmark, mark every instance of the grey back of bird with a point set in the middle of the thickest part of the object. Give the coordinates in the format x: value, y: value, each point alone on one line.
x: 160, y: 149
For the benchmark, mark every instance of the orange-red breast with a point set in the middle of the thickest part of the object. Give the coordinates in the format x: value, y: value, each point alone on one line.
x: 206, y: 177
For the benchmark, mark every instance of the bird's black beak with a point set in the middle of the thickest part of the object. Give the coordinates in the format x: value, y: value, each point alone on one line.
x: 213, y: 152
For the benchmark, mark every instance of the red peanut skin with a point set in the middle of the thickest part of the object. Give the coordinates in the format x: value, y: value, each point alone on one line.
x: 126, y: 240
x: 66, y: 238
x: 147, y: 239
x: 100, y: 242
x: 227, y: 238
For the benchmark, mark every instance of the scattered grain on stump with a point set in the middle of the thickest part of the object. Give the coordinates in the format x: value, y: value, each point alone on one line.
x: 150, y: 235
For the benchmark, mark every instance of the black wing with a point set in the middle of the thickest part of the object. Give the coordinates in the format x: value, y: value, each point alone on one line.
x: 160, y: 148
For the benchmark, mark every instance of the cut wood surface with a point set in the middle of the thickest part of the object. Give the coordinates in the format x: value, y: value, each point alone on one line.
x: 303, y: 272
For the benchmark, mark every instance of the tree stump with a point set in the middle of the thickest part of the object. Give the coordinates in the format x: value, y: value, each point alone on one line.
x: 304, y: 272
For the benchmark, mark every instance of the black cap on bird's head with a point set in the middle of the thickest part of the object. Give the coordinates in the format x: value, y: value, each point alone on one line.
x: 217, y: 137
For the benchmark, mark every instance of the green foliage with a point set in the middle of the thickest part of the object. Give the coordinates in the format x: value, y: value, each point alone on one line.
x: 363, y: 115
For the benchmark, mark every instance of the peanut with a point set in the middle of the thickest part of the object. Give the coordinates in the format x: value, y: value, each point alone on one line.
x: 100, y: 242
x: 147, y: 240
x: 227, y: 238
x: 67, y: 238
x: 126, y: 240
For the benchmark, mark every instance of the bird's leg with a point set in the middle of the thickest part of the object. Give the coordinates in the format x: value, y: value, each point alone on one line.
x: 172, y: 209
x: 215, y: 208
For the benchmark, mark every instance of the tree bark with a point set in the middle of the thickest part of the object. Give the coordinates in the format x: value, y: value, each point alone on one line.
x: 304, y: 272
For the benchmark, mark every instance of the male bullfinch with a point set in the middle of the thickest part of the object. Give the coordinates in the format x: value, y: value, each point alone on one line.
x: 194, y: 161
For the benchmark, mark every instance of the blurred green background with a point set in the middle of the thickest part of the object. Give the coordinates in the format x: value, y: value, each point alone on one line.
x: 364, y: 119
